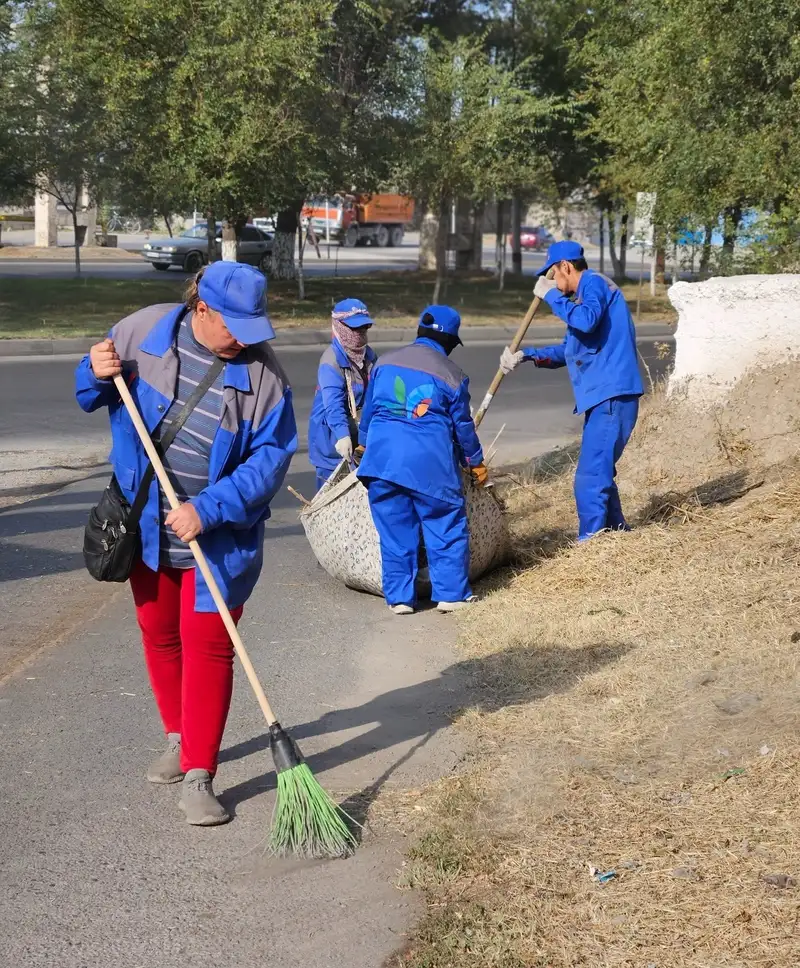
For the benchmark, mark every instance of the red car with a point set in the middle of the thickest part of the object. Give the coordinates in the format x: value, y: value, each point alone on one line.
x: 534, y: 238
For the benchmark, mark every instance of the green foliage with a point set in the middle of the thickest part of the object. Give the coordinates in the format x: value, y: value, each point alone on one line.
x: 695, y: 99
x: 473, y: 130
x: 52, y: 114
x: 213, y: 106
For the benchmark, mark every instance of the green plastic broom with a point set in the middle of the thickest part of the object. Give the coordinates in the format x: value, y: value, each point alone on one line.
x: 306, y: 822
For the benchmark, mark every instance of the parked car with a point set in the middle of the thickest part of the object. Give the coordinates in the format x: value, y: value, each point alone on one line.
x: 189, y: 250
x: 534, y: 238
x: 265, y: 222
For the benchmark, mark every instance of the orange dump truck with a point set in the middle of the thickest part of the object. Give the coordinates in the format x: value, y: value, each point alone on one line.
x: 359, y: 219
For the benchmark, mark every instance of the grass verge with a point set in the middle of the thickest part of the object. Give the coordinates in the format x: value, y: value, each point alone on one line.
x: 633, y: 801
x: 52, y: 308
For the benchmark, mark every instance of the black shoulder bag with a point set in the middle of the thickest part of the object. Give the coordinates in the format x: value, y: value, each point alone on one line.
x: 112, y: 540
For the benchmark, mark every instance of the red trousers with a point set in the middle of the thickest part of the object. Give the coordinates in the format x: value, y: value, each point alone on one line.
x: 189, y: 659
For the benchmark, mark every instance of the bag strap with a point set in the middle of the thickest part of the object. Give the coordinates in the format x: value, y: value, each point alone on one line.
x: 163, y: 443
x: 348, y: 379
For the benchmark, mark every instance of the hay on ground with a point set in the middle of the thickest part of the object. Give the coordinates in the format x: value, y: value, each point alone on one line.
x: 638, y: 718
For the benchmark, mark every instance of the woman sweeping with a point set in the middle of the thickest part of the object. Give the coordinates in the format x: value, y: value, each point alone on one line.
x: 342, y: 379
x: 204, y: 367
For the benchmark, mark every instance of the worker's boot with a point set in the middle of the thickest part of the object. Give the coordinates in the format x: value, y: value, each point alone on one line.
x: 167, y: 768
x: 201, y: 807
x: 455, y: 606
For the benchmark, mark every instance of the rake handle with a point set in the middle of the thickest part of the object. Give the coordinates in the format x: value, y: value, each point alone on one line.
x: 494, y: 386
x: 197, y: 551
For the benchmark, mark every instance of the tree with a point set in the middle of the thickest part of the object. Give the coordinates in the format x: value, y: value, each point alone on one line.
x: 693, y: 99
x: 473, y: 132
x: 55, y: 116
x: 217, y: 101
x: 14, y: 175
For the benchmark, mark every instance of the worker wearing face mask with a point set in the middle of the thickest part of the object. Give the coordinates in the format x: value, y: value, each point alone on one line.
x: 342, y: 379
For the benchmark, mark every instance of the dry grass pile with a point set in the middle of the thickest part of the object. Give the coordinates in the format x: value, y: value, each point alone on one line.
x: 678, y: 446
x: 634, y: 798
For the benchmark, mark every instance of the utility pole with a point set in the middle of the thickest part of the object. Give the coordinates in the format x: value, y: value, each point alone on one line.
x: 516, y: 202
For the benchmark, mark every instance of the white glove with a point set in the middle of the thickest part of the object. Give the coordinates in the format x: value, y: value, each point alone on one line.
x: 543, y: 286
x: 510, y: 361
x: 344, y: 448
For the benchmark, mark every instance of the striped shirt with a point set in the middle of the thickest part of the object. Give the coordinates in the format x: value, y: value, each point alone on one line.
x: 187, y: 458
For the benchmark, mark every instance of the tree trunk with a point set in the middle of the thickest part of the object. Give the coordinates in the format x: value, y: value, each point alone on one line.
x: 661, y: 265
x: 612, y: 243
x: 301, y: 284
x: 623, y: 245
x: 168, y: 222
x: 211, y: 236
x: 705, y: 253
x: 283, y: 264
x: 602, y: 243
x: 732, y: 217
x: 230, y: 244
x: 476, y: 253
x: 428, y: 235
x: 516, y: 233
x: 441, y: 251
x: 74, y: 214
x: 463, y: 255
x: 499, y: 251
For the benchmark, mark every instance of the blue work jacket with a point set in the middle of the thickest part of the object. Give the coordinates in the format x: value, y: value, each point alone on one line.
x: 416, y: 425
x: 599, y: 349
x: 249, y: 456
x: 330, y: 412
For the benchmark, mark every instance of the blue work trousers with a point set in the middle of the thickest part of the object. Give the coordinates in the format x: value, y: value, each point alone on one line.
x: 322, y: 475
x: 401, y: 517
x: 606, y: 430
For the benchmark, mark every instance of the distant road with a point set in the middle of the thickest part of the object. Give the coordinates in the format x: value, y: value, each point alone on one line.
x: 350, y: 262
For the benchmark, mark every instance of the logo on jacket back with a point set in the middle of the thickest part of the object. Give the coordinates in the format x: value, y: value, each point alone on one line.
x: 413, y: 404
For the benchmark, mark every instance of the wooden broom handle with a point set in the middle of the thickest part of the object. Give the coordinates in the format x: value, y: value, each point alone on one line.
x: 515, y: 344
x: 197, y: 551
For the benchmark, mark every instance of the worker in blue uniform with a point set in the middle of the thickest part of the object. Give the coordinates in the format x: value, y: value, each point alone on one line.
x: 342, y: 379
x: 599, y: 351
x: 417, y: 432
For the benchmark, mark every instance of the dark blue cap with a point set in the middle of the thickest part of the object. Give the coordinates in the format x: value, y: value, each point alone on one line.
x: 239, y: 293
x: 353, y: 313
x: 559, y: 251
x: 442, y: 319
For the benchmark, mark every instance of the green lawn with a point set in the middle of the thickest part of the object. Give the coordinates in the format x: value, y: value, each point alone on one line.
x: 48, y: 308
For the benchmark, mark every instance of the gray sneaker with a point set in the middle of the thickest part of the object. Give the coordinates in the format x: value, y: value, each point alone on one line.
x: 455, y: 606
x: 198, y: 802
x: 167, y: 767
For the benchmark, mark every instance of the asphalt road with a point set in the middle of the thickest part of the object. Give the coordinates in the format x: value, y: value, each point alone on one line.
x: 97, y: 867
x: 341, y: 261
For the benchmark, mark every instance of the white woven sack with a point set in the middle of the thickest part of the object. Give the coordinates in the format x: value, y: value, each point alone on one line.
x: 339, y: 528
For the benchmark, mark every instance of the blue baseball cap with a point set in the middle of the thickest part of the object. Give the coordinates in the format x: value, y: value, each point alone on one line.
x: 559, y: 251
x: 353, y: 313
x: 443, y: 319
x: 239, y: 293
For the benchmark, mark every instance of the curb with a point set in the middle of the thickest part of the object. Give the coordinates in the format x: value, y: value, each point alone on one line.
x: 10, y: 348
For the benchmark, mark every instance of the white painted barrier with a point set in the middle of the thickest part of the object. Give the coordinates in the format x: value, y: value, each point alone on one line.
x: 728, y: 325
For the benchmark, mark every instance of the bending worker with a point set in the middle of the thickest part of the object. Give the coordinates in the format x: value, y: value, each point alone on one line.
x: 417, y: 430
x: 599, y: 351
x: 227, y: 462
x: 342, y: 380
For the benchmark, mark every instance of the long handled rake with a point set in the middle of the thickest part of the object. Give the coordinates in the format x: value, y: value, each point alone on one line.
x: 306, y: 821
x: 494, y: 386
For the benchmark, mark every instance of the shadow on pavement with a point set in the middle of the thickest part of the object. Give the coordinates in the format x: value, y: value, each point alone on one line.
x: 511, y: 677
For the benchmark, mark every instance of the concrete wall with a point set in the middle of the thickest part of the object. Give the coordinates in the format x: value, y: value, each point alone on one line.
x: 728, y: 325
